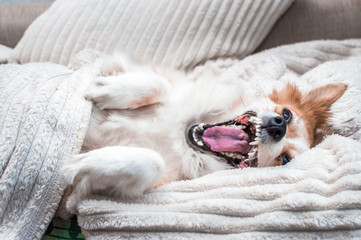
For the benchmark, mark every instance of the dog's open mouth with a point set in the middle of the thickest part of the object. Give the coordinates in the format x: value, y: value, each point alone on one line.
x: 236, y: 140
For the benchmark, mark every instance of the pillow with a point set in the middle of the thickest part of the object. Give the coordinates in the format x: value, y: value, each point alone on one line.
x: 173, y: 33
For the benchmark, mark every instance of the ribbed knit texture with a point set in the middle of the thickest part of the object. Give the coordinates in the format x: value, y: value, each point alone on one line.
x: 43, y: 119
x: 173, y: 33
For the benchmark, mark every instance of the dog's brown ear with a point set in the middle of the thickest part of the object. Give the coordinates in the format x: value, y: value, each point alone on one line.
x: 326, y: 95
x: 317, y: 104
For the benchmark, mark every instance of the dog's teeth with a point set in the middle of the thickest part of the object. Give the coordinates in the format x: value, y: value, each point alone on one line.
x: 201, y: 126
x: 253, y: 153
x: 252, y: 119
x: 195, y: 137
x: 225, y: 154
x: 258, y: 134
x: 258, y: 139
x: 254, y: 143
x: 200, y: 143
x: 231, y: 155
x: 234, y: 156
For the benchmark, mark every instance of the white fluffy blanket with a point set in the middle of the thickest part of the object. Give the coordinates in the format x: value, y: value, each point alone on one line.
x: 317, y: 195
x: 43, y: 119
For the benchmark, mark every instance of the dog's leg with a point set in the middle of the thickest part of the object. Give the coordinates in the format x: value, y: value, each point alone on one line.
x: 124, y: 172
x: 128, y: 90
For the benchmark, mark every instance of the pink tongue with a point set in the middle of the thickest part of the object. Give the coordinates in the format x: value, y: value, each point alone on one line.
x: 226, y: 139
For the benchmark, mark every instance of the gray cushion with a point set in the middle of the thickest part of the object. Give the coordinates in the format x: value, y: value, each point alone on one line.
x: 15, y: 18
x: 316, y: 19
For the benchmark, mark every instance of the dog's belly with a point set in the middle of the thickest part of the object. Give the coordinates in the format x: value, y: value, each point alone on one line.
x: 136, y: 129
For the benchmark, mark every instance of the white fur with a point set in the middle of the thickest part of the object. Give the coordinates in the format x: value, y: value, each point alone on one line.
x: 157, y: 126
x: 148, y: 116
x: 117, y: 171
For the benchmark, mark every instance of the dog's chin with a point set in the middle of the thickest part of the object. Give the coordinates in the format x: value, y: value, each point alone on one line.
x: 234, y: 141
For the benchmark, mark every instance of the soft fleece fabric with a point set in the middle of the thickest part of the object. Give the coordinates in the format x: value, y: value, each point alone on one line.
x: 317, y: 195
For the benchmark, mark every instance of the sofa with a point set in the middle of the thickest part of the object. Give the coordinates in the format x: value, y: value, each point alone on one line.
x: 47, y: 54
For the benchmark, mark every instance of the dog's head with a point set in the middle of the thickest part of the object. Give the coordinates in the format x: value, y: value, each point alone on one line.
x: 292, y: 123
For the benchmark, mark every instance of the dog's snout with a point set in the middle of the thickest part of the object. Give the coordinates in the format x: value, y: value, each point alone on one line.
x: 275, y: 127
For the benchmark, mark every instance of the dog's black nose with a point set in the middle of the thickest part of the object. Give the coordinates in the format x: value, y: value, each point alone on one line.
x: 275, y: 127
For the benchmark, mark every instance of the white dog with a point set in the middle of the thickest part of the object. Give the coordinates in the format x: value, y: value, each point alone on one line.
x: 148, y: 129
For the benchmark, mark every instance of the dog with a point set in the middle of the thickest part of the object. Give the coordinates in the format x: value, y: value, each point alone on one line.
x: 150, y: 127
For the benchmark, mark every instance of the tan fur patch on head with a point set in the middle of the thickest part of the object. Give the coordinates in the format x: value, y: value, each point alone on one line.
x: 313, y: 107
x: 289, y: 95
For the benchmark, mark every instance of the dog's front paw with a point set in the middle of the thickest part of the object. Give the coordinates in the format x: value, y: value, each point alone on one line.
x: 102, y: 93
x: 127, y: 90
x: 113, y: 92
